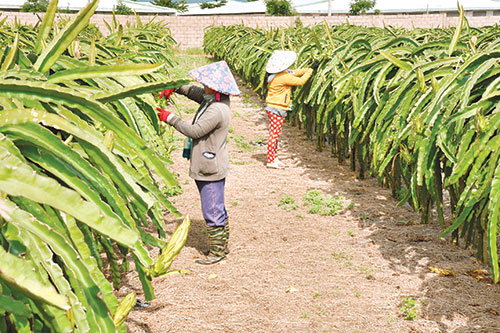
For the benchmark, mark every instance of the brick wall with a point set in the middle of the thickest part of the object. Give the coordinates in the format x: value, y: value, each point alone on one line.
x: 188, y: 30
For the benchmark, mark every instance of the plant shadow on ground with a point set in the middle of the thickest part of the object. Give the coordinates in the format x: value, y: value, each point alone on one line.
x: 197, y: 237
x: 143, y: 326
x: 409, y: 248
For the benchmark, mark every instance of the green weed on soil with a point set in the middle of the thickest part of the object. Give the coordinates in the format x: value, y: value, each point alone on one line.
x: 323, y: 204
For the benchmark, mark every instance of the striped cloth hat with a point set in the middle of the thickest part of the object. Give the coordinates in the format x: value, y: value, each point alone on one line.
x: 280, y: 60
x: 216, y: 76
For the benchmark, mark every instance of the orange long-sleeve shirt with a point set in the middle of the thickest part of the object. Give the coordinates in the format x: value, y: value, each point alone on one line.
x: 280, y: 88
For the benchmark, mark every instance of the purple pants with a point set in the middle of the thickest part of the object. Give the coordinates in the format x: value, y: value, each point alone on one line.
x: 212, y: 202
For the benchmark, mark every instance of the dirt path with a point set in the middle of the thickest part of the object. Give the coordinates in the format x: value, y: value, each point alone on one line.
x: 291, y: 271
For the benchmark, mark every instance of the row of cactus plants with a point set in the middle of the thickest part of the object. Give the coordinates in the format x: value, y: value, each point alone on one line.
x: 416, y: 108
x: 83, y: 169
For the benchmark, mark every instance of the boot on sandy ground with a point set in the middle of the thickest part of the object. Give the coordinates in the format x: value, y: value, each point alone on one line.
x: 216, y: 245
x: 226, y: 235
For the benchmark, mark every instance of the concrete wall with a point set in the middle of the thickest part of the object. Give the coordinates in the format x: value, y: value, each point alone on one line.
x: 188, y: 30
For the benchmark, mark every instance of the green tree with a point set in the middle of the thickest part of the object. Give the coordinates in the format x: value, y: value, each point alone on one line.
x: 35, y: 6
x: 179, y: 5
x: 214, y: 4
x: 122, y: 9
x: 361, y: 6
x: 279, y: 7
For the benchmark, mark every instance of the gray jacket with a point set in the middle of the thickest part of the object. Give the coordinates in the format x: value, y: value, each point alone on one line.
x: 209, y: 159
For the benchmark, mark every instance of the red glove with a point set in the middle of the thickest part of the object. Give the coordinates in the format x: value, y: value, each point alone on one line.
x: 163, y: 114
x: 167, y: 93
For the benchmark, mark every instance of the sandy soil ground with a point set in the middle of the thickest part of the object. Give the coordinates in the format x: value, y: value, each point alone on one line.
x: 292, y: 271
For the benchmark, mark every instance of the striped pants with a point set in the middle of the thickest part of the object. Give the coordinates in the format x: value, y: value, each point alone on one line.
x: 275, y: 125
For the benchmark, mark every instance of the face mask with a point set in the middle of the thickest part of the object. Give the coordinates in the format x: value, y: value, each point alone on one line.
x: 209, y: 97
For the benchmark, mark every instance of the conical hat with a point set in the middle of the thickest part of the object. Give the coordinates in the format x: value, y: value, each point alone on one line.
x: 216, y: 76
x: 280, y: 60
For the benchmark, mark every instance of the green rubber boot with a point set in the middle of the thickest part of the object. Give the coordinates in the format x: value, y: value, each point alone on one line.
x: 226, y: 235
x: 216, y: 246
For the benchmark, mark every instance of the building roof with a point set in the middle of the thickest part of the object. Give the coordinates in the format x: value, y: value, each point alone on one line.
x: 394, y: 6
x: 103, y: 6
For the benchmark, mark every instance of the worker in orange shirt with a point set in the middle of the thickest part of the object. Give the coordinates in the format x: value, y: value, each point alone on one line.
x: 280, y: 80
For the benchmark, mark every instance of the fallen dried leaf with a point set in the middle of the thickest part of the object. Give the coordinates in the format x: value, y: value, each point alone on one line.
x: 441, y: 271
x: 177, y: 271
x: 480, y: 275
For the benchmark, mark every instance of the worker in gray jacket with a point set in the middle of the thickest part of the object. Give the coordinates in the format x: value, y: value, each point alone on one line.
x: 209, y: 159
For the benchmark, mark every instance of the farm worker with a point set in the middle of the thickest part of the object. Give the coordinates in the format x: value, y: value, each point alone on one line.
x: 281, y: 80
x: 209, y: 163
